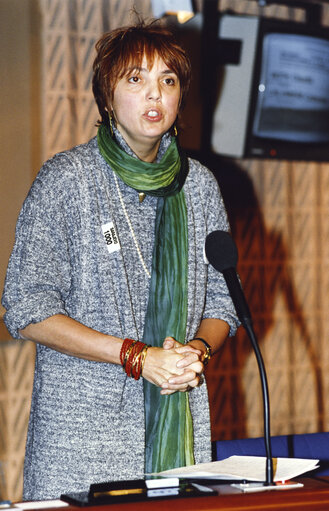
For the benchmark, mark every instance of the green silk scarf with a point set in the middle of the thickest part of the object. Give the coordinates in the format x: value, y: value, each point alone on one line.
x: 168, y: 420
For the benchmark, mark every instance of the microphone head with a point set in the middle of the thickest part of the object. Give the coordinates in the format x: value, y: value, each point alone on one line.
x: 221, y: 250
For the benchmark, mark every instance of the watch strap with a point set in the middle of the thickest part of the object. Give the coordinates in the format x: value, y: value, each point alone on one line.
x: 208, y: 353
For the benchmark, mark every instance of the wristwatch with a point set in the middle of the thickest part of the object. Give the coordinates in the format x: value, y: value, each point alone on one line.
x: 207, y: 353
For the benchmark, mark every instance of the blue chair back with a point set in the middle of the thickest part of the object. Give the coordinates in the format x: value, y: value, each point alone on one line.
x: 309, y: 446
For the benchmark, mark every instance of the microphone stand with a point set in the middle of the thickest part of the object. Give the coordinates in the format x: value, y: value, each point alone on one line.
x: 244, y: 316
x: 222, y: 254
x: 266, y: 401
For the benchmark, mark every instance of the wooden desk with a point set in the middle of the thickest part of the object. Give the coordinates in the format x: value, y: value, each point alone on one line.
x: 313, y: 496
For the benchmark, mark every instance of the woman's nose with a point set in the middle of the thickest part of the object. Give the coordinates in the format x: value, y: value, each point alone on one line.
x: 154, y: 91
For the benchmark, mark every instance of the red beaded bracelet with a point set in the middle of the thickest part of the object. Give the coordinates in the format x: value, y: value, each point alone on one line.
x: 127, y: 343
x: 132, y: 357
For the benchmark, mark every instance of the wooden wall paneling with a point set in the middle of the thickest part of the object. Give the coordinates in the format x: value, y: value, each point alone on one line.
x: 16, y: 369
x: 279, y: 214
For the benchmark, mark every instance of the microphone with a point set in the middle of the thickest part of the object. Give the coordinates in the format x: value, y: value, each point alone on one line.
x: 222, y: 254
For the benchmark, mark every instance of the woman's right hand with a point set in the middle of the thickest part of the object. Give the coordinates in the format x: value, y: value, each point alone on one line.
x: 161, y: 365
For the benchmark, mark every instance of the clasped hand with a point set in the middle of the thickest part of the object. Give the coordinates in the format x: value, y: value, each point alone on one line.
x: 174, y: 367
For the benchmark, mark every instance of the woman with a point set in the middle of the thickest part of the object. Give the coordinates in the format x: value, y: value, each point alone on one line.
x: 108, y: 271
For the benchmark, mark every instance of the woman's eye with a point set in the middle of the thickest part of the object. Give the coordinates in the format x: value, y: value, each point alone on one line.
x: 170, y: 81
x: 134, y: 79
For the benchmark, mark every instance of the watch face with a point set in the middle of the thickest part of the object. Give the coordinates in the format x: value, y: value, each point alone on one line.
x: 207, y: 356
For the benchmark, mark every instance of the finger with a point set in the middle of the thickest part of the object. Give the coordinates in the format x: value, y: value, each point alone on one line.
x: 192, y: 384
x: 184, y: 379
x: 167, y: 392
x: 185, y: 387
x: 170, y: 343
x: 195, y: 366
x: 170, y: 389
x: 189, y: 359
x: 195, y: 383
x: 187, y: 349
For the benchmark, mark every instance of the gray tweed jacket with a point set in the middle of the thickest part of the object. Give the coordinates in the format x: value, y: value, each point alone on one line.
x: 87, y: 418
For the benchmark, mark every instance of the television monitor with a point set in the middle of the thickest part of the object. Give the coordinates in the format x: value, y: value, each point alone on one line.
x: 275, y: 102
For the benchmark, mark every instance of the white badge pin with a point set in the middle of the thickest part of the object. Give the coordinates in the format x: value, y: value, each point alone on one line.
x: 111, y: 237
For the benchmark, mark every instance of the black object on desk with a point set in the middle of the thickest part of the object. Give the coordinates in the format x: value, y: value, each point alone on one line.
x: 133, y: 491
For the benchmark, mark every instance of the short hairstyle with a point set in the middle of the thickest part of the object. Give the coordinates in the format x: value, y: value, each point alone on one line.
x: 123, y: 47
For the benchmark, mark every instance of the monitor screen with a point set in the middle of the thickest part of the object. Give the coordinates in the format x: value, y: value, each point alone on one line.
x: 293, y: 89
x: 289, y: 100
x: 273, y: 102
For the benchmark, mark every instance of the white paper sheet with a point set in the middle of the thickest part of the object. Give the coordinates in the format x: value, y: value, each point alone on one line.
x: 250, y: 468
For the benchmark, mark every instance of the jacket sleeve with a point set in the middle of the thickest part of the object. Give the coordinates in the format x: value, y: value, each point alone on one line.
x: 38, y: 276
x: 218, y: 301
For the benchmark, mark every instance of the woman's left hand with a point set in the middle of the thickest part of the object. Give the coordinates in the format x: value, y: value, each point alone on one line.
x: 191, y: 364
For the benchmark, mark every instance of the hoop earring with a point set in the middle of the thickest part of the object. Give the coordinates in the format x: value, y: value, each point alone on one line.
x: 111, y: 125
x: 175, y: 131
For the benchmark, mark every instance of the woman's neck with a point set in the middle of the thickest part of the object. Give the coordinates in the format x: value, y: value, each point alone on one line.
x: 151, y: 155
x: 147, y: 154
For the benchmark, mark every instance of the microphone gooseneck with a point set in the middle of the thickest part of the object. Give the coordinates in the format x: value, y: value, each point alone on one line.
x: 222, y: 254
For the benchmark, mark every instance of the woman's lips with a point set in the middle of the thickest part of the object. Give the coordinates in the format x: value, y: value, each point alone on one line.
x: 153, y: 115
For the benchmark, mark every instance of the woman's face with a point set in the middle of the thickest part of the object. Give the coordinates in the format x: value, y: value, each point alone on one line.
x: 145, y: 105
